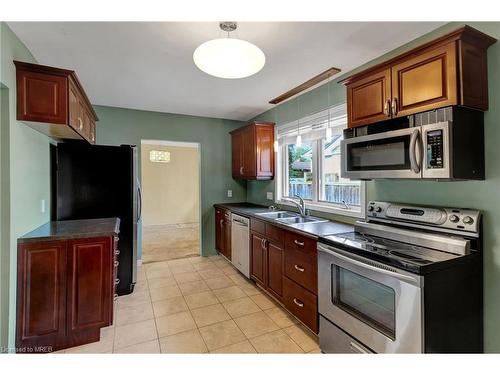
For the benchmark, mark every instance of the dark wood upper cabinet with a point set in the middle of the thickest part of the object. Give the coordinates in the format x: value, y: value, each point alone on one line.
x: 253, y: 151
x: 52, y: 101
x: 424, y: 82
x: 369, y: 99
x: 451, y: 70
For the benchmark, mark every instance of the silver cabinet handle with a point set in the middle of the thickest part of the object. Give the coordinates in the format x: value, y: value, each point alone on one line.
x: 80, y: 123
x: 116, y: 263
x: 394, y: 106
x: 387, y: 111
x: 241, y: 170
x: 298, y: 303
x: 298, y: 268
x: 117, y: 281
x: 414, y: 142
x: 296, y: 242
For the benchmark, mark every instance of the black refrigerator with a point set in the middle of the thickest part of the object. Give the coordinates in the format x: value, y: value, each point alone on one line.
x: 90, y: 181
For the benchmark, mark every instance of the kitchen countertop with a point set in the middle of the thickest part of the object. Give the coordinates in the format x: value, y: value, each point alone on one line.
x: 314, y: 230
x: 71, y: 229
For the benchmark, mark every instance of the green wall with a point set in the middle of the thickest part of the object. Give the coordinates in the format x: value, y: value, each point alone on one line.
x: 483, y: 195
x: 25, y: 176
x: 127, y: 126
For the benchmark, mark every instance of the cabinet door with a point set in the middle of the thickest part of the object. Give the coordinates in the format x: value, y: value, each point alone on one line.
x: 237, y: 154
x: 275, y: 269
x: 90, y: 284
x: 249, y: 152
x: 219, y: 230
x: 258, y: 259
x: 41, y: 97
x: 265, y: 151
x: 75, y: 119
x: 368, y: 99
x: 227, y: 235
x: 41, y: 294
x: 425, y: 82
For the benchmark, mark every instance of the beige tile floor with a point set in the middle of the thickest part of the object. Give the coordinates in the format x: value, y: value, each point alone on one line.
x: 199, y: 305
x: 168, y: 242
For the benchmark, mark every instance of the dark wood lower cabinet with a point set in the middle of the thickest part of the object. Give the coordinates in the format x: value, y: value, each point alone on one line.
x: 284, y: 264
x: 223, y: 232
x: 90, y: 285
x: 41, y: 295
x: 275, y: 261
x: 65, y: 292
x: 257, y: 261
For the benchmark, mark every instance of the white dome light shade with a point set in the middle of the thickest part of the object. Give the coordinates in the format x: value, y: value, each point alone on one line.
x: 229, y: 58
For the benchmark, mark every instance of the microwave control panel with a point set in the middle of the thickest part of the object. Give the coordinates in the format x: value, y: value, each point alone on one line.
x: 435, y: 149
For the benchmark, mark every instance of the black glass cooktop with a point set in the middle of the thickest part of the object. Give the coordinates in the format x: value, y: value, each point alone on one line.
x: 403, y: 255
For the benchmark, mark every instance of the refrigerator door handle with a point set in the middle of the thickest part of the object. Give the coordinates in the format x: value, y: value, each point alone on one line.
x: 139, y: 202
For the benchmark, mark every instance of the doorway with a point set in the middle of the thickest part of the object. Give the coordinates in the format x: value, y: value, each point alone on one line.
x: 170, y: 179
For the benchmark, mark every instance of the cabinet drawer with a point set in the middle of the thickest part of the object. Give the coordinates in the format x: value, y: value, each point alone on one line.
x: 301, y: 243
x: 275, y: 234
x: 302, y: 268
x: 258, y: 226
x: 301, y: 303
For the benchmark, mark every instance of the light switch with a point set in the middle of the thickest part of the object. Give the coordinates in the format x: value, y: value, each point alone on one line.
x: 229, y: 193
x: 270, y: 195
x: 42, y: 206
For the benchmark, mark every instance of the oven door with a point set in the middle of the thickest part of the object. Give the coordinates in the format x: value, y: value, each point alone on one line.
x: 394, y: 154
x: 376, y: 304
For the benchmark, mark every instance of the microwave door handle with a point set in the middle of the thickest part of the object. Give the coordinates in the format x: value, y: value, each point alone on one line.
x: 414, y: 143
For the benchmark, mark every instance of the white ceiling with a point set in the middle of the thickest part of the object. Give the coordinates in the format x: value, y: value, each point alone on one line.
x: 149, y: 65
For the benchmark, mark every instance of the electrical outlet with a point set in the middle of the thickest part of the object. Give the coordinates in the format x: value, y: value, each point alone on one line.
x: 42, y: 206
x: 270, y: 195
x: 229, y: 193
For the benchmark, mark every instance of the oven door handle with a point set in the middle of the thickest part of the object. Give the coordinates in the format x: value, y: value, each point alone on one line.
x: 415, y: 146
x: 369, y: 267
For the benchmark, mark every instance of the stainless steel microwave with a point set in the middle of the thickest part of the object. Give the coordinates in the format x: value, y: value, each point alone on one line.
x: 449, y: 150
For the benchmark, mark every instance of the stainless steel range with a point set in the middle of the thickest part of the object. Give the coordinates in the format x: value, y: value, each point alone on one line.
x: 408, y: 280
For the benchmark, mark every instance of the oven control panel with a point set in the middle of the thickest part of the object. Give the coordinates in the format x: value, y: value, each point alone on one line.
x: 435, y: 149
x: 450, y: 218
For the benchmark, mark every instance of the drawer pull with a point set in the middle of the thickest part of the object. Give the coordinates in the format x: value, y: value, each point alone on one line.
x: 80, y: 123
x: 298, y: 268
x: 117, y: 281
x: 116, y: 263
x: 298, y: 302
x: 296, y: 242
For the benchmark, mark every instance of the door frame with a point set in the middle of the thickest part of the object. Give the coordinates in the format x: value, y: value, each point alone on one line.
x: 196, y: 145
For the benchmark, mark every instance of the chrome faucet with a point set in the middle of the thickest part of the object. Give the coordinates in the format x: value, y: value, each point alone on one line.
x: 301, y: 205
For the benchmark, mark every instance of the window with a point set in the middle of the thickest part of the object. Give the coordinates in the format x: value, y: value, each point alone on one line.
x: 312, y: 170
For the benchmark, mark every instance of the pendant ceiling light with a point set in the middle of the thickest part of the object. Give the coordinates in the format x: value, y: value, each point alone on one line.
x: 229, y: 57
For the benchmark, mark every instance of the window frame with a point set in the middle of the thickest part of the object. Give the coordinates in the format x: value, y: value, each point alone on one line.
x: 281, y: 182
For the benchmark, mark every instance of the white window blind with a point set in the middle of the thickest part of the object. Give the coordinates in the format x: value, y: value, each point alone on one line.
x: 314, y: 126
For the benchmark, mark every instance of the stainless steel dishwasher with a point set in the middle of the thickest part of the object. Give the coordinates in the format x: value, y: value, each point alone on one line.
x: 240, y: 244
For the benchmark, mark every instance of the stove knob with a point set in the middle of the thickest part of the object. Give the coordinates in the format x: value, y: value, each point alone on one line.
x: 378, y: 209
x: 370, y: 208
x: 468, y: 220
x: 454, y: 218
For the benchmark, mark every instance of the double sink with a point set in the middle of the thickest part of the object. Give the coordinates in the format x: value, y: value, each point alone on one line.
x: 290, y: 218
